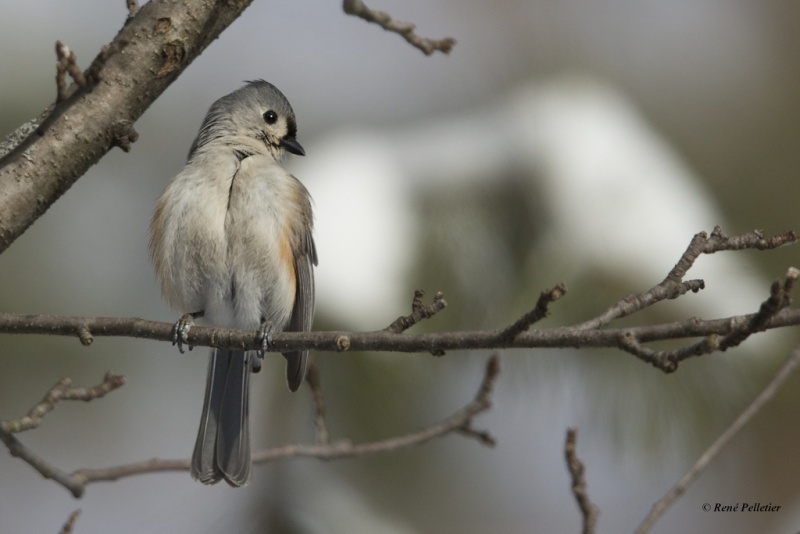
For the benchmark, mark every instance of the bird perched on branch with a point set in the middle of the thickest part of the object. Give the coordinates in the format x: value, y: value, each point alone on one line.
x: 231, y: 242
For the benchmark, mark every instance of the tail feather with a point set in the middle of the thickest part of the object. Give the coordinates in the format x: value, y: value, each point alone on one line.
x: 222, y: 449
x: 233, y: 435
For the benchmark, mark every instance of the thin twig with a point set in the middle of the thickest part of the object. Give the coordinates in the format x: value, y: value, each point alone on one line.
x: 67, y: 63
x: 404, y: 29
x: 45, y: 468
x: 133, y: 8
x: 539, y: 312
x: 673, y: 285
x: 700, y: 465
x: 419, y: 311
x: 60, y: 391
x: 312, y: 377
x: 780, y: 298
x: 70, y: 523
x: 576, y: 470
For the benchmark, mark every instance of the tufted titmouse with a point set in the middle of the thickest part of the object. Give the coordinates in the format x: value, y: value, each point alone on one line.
x: 231, y: 242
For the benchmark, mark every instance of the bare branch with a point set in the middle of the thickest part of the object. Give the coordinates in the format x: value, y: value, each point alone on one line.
x: 70, y: 524
x: 67, y: 63
x: 343, y: 449
x: 335, y: 341
x: 47, y: 470
x: 60, y: 391
x: 700, y: 465
x: 419, y: 311
x: 145, y: 57
x: 459, y: 422
x: 576, y: 470
x: 539, y: 312
x: 312, y: 377
x: 718, y: 334
x: 780, y: 298
x: 673, y: 285
x: 404, y: 29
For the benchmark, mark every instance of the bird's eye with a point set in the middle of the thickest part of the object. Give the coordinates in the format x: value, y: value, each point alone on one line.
x: 270, y: 117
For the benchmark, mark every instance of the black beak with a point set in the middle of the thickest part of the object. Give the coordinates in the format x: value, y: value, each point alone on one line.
x: 291, y: 145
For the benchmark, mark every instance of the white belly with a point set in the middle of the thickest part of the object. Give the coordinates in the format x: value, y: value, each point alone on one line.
x: 225, y: 248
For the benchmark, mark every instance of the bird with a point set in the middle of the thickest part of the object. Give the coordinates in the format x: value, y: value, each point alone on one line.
x: 231, y: 242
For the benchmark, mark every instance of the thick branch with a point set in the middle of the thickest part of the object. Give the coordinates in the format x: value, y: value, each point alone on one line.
x: 160, y: 40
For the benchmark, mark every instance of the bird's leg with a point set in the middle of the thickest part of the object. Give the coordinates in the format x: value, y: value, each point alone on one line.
x: 265, y: 334
x: 180, y: 332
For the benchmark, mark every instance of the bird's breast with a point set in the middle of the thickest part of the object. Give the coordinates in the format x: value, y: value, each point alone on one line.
x: 260, y: 226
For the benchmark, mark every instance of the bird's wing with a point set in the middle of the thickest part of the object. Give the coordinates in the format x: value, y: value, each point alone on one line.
x: 303, y: 312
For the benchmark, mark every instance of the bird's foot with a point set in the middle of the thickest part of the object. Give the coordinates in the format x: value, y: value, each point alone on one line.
x: 180, y: 332
x: 265, y: 335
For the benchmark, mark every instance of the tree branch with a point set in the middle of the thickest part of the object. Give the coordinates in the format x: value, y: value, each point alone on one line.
x: 60, y: 391
x: 780, y: 298
x: 658, y: 509
x: 576, y: 470
x: 539, y: 312
x: 336, y: 341
x: 404, y: 29
x: 381, y: 341
x: 419, y: 311
x: 46, y: 156
x: 69, y: 525
x: 673, y: 285
x: 459, y: 422
x: 315, y: 385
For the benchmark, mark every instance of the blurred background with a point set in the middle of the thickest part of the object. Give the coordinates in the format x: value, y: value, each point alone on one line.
x: 576, y: 142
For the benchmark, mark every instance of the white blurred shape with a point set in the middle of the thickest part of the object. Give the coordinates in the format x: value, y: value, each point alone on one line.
x: 363, y: 227
x: 622, y: 198
x: 619, y: 197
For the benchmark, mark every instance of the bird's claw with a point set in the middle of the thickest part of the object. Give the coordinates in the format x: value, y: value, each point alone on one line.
x: 265, y: 335
x: 180, y: 332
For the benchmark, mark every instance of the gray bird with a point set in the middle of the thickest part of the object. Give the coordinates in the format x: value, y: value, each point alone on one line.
x: 231, y: 242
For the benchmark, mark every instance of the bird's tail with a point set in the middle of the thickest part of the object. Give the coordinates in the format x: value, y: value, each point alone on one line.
x: 222, y: 450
